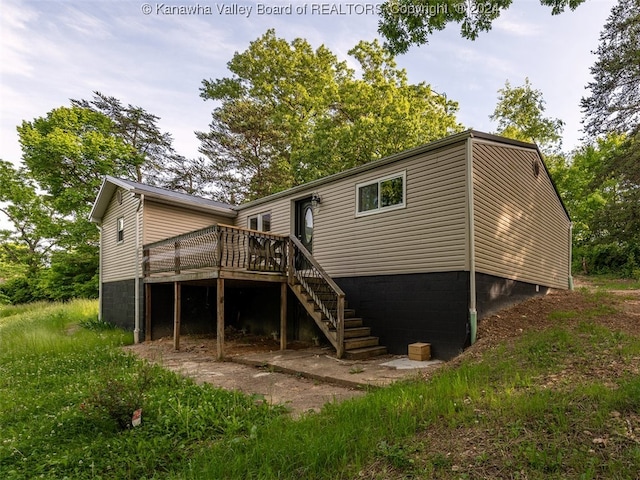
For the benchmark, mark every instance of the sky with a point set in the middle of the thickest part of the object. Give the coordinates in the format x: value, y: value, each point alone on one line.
x: 52, y: 51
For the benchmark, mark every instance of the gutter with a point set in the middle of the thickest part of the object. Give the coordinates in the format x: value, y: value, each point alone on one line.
x: 473, y: 313
x: 100, y: 297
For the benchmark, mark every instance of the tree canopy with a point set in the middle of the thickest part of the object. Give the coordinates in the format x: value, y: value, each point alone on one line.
x: 613, y: 109
x: 291, y: 113
x: 519, y: 113
x: 614, y: 102
x: 404, y: 23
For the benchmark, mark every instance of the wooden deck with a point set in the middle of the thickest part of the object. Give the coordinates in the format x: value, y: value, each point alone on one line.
x: 219, y: 251
x: 224, y: 252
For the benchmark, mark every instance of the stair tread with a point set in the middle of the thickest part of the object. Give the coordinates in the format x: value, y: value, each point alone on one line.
x: 365, y: 352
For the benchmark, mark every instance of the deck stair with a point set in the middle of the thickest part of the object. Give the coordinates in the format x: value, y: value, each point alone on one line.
x: 324, y: 302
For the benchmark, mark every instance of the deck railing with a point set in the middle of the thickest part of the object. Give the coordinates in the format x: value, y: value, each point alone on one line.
x: 227, y: 247
x: 218, y: 246
x: 327, y: 295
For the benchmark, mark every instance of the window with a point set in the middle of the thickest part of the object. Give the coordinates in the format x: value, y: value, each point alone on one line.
x: 387, y: 193
x: 120, y: 237
x: 260, y: 222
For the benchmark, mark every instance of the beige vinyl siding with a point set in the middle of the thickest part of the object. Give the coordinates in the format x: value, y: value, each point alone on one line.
x: 428, y: 235
x: 280, y: 210
x: 163, y: 221
x: 119, y: 259
x: 521, y: 228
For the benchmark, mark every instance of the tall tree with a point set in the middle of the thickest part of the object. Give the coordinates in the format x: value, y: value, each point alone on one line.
x: 290, y: 114
x: 155, y: 161
x: 519, y: 113
x: 69, y: 151
x: 614, y: 102
x: 410, y: 22
x: 32, y: 219
x: 613, y: 107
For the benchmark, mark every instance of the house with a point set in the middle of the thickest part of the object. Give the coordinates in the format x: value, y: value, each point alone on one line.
x: 415, y: 247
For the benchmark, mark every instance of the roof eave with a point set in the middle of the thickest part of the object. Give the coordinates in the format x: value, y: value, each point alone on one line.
x: 443, y: 142
x: 225, y: 212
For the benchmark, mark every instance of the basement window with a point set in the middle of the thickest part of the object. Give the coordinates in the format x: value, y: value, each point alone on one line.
x: 261, y: 222
x: 381, y: 195
x: 120, y: 224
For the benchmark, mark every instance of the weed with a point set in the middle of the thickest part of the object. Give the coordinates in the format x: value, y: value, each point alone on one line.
x: 96, y: 324
x: 118, y: 398
x: 396, y: 455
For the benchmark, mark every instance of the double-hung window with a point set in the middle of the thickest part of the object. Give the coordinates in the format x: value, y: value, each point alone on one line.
x: 261, y: 222
x: 120, y: 230
x: 381, y: 195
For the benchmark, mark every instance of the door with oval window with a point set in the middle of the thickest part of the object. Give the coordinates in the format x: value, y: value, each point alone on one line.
x: 304, y: 223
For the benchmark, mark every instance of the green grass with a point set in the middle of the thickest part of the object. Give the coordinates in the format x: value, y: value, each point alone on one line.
x: 555, y: 404
x: 610, y: 282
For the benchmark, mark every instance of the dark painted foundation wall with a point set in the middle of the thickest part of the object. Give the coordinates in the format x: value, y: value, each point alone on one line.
x: 430, y: 307
x: 400, y: 309
x: 118, y: 304
x: 496, y: 293
x: 404, y: 309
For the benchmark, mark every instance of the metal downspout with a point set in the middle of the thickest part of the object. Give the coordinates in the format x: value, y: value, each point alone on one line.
x: 100, y: 276
x: 136, y: 330
x: 473, y: 313
x: 570, y: 254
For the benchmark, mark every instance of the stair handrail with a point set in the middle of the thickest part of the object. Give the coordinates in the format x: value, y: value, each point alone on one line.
x: 334, y: 315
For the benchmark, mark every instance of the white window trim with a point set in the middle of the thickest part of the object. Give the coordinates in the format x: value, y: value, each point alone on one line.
x: 402, y: 174
x: 258, y: 216
x: 118, y: 241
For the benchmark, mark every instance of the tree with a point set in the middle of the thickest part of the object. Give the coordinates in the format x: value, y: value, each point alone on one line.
x: 614, y: 103
x: 410, y: 22
x: 69, y: 151
x: 519, y: 114
x: 613, y: 108
x: 291, y: 114
x: 32, y: 219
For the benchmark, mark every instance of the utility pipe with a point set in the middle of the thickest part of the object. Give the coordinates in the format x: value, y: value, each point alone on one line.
x: 473, y: 313
x: 100, y: 276
x: 570, y: 254
x: 136, y: 330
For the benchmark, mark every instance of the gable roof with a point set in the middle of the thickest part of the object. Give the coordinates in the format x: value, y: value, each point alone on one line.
x: 160, y: 195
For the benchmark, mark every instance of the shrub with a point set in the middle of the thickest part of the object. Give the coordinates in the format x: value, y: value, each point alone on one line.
x: 118, y: 398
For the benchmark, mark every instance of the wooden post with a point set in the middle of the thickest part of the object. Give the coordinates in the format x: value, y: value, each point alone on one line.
x: 147, y: 312
x: 340, y: 327
x: 176, y: 315
x: 283, y: 315
x: 176, y: 259
x: 290, y: 261
x: 220, y: 318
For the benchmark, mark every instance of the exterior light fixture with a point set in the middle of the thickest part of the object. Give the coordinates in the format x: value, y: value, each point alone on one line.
x: 316, y: 199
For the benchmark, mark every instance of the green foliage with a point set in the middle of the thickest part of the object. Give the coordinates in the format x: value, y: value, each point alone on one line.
x: 118, y: 398
x: 72, y: 274
x: 291, y: 114
x: 69, y: 151
x: 66, y: 394
x: 614, y: 102
x: 608, y: 258
x: 519, y: 114
x: 410, y: 22
x: 613, y: 110
x: 22, y: 289
x: 518, y: 408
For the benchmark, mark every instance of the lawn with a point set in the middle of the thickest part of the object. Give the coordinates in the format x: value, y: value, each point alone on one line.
x: 557, y: 402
